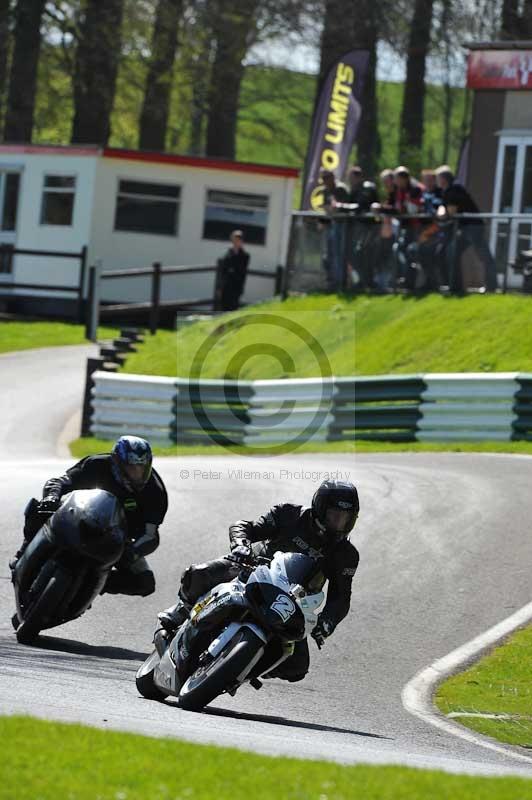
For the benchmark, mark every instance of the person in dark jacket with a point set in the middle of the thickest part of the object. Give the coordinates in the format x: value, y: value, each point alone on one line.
x: 457, y: 200
x: 320, y: 531
x: 126, y: 473
x: 233, y: 265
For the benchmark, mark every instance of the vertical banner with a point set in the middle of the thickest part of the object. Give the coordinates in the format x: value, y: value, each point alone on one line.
x: 335, y: 123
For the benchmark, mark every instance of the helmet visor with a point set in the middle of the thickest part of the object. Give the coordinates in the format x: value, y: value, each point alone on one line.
x: 339, y: 520
x: 138, y: 475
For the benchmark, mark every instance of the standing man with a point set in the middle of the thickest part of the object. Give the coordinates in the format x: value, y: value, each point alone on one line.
x: 233, y: 266
x: 457, y: 200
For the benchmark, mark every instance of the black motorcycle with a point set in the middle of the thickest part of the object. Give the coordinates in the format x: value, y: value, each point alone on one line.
x: 67, y: 562
x: 239, y: 631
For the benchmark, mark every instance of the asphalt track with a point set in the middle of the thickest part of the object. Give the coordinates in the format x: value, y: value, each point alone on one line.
x: 445, y: 554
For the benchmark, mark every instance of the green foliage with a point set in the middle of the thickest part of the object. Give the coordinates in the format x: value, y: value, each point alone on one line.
x: 275, y: 104
x: 89, y: 446
x: 81, y: 763
x: 28, y: 335
x: 497, y: 684
x: 360, y: 335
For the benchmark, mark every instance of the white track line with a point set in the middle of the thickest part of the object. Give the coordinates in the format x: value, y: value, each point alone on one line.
x: 417, y: 694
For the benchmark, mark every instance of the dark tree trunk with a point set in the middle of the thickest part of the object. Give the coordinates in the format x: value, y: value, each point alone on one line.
x: 4, y: 51
x: 234, y: 27
x: 95, y: 70
x: 352, y: 26
x: 156, y: 106
x: 413, y: 111
x: 23, y: 75
x: 510, y: 19
x: 526, y: 21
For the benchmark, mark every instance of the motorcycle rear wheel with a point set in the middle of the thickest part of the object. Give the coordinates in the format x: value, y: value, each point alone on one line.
x: 40, y: 612
x: 207, y: 682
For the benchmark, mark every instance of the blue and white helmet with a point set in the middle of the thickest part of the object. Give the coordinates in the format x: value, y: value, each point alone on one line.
x: 131, y: 462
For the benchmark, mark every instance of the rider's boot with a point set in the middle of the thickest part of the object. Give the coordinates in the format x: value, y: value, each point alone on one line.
x: 172, y: 618
x: 18, y: 555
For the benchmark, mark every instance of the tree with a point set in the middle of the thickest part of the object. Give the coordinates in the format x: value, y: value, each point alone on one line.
x: 413, y: 109
x: 5, y: 16
x: 352, y: 26
x: 23, y: 74
x: 95, y: 70
x: 234, y: 27
x: 155, y: 109
x: 516, y: 24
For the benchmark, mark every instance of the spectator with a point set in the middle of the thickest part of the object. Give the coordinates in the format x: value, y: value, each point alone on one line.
x: 334, y: 196
x: 361, y: 192
x: 407, y: 198
x: 361, y: 233
x: 388, y: 186
x: 432, y: 194
x: 233, y: 267
x: 457, y: 200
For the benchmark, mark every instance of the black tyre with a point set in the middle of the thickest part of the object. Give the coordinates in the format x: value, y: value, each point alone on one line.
x: 210, y: 680
x: 144, y: 679
x: 42, y: 610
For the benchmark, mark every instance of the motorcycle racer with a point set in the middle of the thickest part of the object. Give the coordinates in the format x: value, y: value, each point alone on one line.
x: 126, y: 472
x: 321, y: 531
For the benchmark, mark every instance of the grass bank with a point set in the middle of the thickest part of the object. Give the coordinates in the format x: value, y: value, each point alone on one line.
x: 80, y: 763
x: 27, y: 335
x: 89, y: 446
x: 355, y: 336
x: 499, y: 686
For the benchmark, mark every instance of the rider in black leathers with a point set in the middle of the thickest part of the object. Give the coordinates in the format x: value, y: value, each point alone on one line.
x: 320, y: 531
x: 126, y: 473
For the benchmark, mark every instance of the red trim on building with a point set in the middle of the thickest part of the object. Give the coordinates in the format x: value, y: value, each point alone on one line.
x: 151, y: 158
x: 197, y: 161
x: 51, y: 149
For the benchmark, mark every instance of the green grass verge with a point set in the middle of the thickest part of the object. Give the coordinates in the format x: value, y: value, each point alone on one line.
x: 88, y: 446
x: 80, y: 763
x: 359, y: 335
x: 16, y: 335
x: 497, y: 684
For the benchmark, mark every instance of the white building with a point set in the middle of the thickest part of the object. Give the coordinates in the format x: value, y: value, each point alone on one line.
x: 131, y: 208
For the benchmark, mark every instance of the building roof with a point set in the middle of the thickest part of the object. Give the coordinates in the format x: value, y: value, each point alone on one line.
x: 150, y: 157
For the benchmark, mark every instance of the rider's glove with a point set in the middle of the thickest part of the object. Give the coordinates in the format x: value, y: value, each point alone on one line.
x: 241, y: 554
x: 48, y: 504
x: 322, y: 630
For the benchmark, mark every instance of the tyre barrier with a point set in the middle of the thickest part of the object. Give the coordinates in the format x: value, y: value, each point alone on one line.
x: 430, y: 407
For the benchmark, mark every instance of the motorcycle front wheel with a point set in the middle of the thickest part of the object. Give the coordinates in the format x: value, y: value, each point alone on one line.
x: 224, y: 672
x: 144, y: 679
x: 41, y: 611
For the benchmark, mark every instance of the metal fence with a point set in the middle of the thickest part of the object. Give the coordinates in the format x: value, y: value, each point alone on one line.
x: 429, y: 407
x: 385, y: 253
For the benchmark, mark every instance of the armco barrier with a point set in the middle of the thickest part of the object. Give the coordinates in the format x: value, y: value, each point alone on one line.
x: 430, y: 407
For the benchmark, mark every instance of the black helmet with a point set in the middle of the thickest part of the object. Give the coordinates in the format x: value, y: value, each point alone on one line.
x: 131, y: 459
x: 335, y: 509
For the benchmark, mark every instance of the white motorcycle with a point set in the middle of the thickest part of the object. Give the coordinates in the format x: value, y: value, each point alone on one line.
x: 236, y: 633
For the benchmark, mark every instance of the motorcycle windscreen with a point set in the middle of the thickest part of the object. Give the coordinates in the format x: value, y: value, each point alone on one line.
x: 295, y: 569
x: 91, y: 522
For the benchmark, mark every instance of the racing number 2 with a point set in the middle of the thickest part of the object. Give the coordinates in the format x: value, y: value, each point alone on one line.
x: 283, y: 606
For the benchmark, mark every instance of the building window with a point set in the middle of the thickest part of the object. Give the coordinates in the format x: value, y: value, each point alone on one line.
x: 58, y: 200
x: 226, y: 211
x: 147, y: 207
x: 9, y: 190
